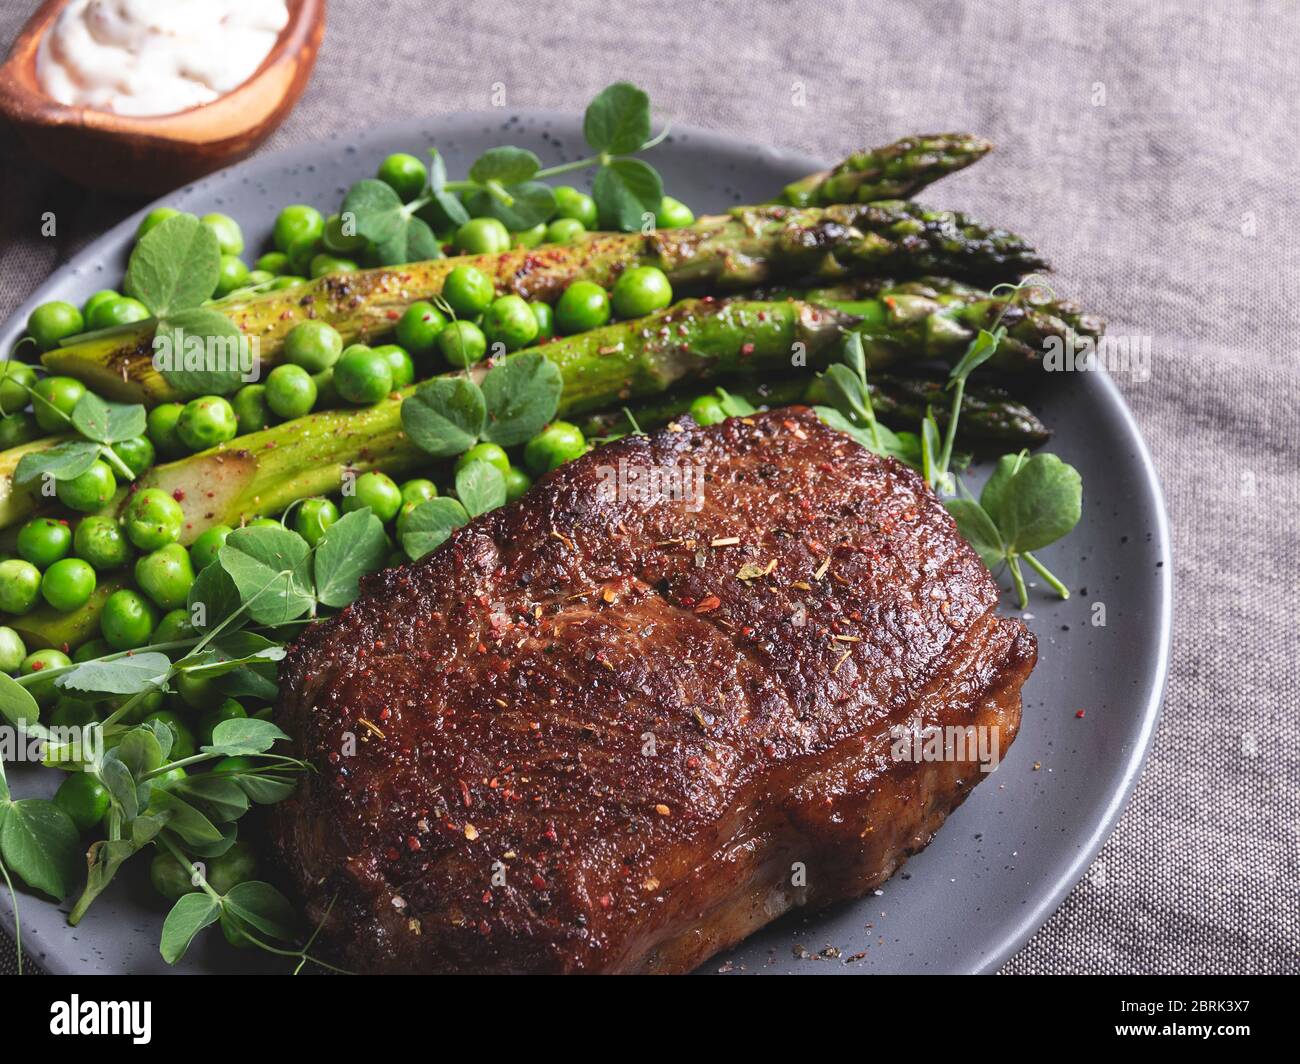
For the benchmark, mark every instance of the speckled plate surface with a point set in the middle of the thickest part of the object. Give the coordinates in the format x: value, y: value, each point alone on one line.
x: 1006, y: 858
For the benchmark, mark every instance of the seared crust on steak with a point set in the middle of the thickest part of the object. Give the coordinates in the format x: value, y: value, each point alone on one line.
x: 594, y: 731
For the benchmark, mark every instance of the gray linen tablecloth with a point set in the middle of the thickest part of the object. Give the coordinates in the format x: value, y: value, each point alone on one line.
x: 1149, y: 149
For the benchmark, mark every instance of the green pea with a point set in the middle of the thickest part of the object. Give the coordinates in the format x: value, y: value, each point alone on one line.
x: 198, y: 692
x: 83, y: 798
x: 490, y: 453
x: 127, y: 620
x: 641, y: 290
x: 313, y: 345
x: 43, y: 541
x: 571, y: 203
x: 287, y: 281
x: 564, y: 231
x: 545, y: 320
x: 584, y: 305
x: 313, y: 518
x: 114, y: 312
x: 102, y: 296
x: 338, y: 240
x: 100, y: 541
x: 233, y: 931
x: 326, y: 394
x: 153, y: 218
x: 153, y: 519
x: 273, y: 262
x: 203, y: 551
x: 418, y: 328
x: 54, y: 321
x: 707, y: 410
x: 297, y: 224
x: 468, y: 291
x: 290, y: 391
x: 529, y: 238
x: 229, y: 709
x: 15, y: 379
x: 20, y: 585
x: 206, y: 422
x: 377, y: 491
x: 517, y: 482
x: 175, y: 625
x: 137, y: 453
x: 44, y: 661
x: 419, y: 490
x: 182, y: 737
x: 54, y: 401
x: 251, y: 411
x: 325, y: 264
x: 12, y: 650
x: 232, y: 275
x: 161, y: 427
x: 399, y: 364
x: 257, y: 278
x: 68, y: 584
x: 462, y: 343
x: 169, y: 878
x: 166, y: 576
x: 483, y: 236
x: 17, y: 429
x: 510, y: 321
x: 362, y: 376
x: 556, y: 444
x: 90, y: 490
x: 404, y: 174
x: 89, y: 651
x: 230, y: 238
x: 673, y: 214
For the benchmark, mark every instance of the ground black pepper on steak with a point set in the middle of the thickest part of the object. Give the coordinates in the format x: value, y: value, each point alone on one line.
x: 602, y: 734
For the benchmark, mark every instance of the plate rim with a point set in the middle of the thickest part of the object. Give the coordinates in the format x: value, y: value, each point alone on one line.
x: 1148, y: 714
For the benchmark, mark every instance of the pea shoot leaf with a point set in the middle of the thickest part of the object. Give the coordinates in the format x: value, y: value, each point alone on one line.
x: 625, y: 190
x: 269, y: 567
x: 508, y: 165
x: 445, y: 416
x: 734, y: 405
x: 414, y: 242
x: 120, y: 676
x: 266, y: 788
x: 618, y: 119
x: 63, y: 461
x: 222, y: 799
x: 40, y: 844
x: 174, y: 266
x: 244, y: 735
x: 213, y: 598
x: 184, y: 819
x: 17, y: 706
x: 230, y: 651
x: 522, y: 395
x: 379, y: 211
x: 250, y: 681
x: 200, y: 351
x: 481, y: 487
x: 263, y: 908
x: 105, y: 422
x: 531, y: 202
x: 448, y: 208
x: 351, y: 547
x: 978, y: 529
x: 190, y: 915
x: 430, y: 524
x: 980, y: 350
x: 1041, y: 503
x: 139, y: 751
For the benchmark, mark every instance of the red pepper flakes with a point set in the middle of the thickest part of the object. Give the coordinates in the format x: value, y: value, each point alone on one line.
x: 708, y: 604
x: 487, y: 897
x: 179, y: 494
x: 606, y: 901
x: 538, y: 881
x: 412, y: 843
x: 746, y: 349
x: 392, y: 315
x: 1079, y: 714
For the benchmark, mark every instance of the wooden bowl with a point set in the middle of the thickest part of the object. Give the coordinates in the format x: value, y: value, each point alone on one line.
x: 138, y: 156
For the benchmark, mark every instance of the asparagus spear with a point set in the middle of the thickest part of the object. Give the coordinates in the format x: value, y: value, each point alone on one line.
x: 747, y: 247
x: 897, y: 171
x: 989, y: 416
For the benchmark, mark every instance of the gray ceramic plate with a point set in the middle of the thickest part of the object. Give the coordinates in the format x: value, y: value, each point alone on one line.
x: 1004, y: 860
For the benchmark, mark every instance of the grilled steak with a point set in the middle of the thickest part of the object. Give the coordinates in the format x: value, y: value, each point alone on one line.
x: 624, y: 722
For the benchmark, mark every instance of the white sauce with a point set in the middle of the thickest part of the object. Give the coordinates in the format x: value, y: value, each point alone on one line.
x: 155, y: 57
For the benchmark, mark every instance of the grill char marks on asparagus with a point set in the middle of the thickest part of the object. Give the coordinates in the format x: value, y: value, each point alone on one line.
x: 750, y: 246
x: 896, y: 171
